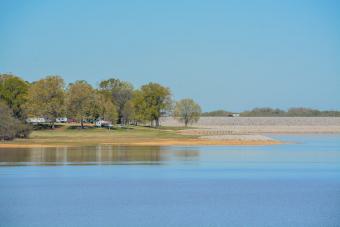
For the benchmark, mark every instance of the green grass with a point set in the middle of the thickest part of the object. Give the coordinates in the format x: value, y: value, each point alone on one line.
x: 73, y: 135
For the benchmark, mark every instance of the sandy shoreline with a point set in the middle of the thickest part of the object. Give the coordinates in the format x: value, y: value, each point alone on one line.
x: 181, y: 142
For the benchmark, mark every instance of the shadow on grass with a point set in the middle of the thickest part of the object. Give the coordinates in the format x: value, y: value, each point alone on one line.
x: 124, y: 127
x: 41, y: 127
x: 45, y: 127
x: 78, y: 127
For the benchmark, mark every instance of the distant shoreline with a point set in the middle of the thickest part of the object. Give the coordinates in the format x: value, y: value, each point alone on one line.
x: 260, y: 125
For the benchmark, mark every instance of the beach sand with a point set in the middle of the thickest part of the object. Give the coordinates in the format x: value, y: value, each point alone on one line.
x: 164, y: 142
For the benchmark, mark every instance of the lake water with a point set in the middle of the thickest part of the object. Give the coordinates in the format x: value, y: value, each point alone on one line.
x: 295, y: 184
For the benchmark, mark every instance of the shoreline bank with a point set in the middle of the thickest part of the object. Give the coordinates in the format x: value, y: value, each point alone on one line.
x: 170, y: 142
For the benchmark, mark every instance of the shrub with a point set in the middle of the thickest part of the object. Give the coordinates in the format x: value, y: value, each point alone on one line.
x: 11, y: 127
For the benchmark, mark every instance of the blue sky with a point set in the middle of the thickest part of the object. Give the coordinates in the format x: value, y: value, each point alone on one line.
x: 232, y: 55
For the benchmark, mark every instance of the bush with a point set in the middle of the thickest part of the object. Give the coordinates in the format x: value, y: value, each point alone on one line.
x: 11, y: 127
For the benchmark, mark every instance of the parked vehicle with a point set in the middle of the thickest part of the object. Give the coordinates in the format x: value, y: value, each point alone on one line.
x: 36, y: 120
x: 61, y: 120
x: 71, y: 120
x: 105, y: 124
x: 92, y: 121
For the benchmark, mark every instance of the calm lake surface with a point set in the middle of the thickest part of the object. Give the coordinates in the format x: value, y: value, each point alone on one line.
x: 296, y: 184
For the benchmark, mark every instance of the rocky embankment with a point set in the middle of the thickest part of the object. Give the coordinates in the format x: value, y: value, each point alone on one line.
x: 253, y: 128
x: 259, y: 125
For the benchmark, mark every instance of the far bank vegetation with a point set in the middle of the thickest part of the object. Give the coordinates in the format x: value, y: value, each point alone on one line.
x: 271, y: 112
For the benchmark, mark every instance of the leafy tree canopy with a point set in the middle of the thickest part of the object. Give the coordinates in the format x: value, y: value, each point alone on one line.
x: 156, y: 100
x: 104, y: 108
x: 45, y: 98
x: 10, y: 127
x: 80, y: 101
x: 13, y: 91
x: 187, y: 111
x: 120, y: 93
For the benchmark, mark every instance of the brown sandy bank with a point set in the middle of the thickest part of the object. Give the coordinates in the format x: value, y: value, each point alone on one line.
x: 165, y: 142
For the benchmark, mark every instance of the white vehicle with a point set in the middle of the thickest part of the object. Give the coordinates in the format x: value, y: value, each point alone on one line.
x: 102, y: 123
x: 36, y: 120
x: 61, y: 120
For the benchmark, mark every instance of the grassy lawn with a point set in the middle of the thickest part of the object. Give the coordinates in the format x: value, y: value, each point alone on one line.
x: 73, y: 135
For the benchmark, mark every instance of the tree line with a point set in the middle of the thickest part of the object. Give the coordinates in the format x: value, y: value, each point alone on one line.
x: 217, y: 113
x: 272, y: 112
x: 113, y: 100
x: 291, y: 112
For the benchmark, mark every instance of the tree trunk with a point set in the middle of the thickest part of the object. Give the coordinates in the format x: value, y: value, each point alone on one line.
x: 157, y: 122
x: 82, y: 123
x: 120, y: 118
x: 52, y: 126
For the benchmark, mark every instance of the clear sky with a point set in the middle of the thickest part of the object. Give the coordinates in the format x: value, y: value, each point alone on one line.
x: 232, y: 55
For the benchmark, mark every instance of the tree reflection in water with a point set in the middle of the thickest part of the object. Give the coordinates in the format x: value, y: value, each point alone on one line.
x: 96, y: 155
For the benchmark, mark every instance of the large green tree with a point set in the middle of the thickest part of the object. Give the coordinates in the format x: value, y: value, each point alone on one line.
x: 138, y: 108
x: 120, y: 93
x: 187, y: 111
x: 154, y: 101
x: 80, y: 101
x: 13, y: 91
x: 104, y: 108
x: 45, y: 98
x: 128, y: 112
